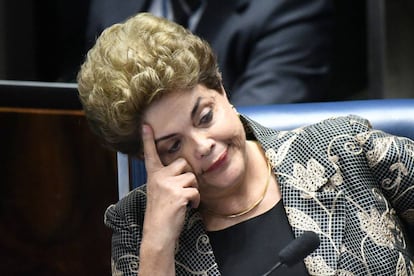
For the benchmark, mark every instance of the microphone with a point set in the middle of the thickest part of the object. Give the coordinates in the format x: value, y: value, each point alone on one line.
x: 297, y: 250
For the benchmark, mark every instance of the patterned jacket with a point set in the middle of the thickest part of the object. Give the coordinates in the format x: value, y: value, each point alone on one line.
x: 352, y: 185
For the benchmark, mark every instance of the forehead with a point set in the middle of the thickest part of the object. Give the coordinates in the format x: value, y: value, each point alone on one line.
x: 174, y: 109
x: 174, y: 103
x: 170, y: 104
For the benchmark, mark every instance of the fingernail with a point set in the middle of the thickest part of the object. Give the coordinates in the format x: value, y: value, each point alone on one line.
x: 144, y: 129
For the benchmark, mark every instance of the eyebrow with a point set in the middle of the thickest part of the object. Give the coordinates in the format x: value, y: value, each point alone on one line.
x: 196, y: 105
x: 193, y: 113
x: 163, y: 138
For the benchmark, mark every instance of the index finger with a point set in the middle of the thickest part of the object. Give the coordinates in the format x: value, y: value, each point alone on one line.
x: 151, y: 158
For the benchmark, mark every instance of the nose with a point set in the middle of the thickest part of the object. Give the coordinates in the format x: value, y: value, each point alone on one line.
x: 203, y: 145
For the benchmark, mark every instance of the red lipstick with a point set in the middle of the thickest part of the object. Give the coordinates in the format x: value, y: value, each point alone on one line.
x: 219, y: 162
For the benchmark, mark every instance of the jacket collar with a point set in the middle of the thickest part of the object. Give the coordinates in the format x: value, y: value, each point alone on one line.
x: 305, y: 175
x: 285, y: 152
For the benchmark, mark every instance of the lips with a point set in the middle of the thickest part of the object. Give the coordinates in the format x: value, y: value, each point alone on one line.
x: 219, y: 162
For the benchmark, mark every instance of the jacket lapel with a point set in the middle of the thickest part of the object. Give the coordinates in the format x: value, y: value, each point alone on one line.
x: 194, y: 254
x: 306, y: 177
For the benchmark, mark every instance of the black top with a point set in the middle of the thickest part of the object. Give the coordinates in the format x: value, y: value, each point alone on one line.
x: 236, y: 248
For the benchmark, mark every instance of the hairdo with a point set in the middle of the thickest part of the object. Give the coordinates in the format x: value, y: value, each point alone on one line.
x: 133, y: 64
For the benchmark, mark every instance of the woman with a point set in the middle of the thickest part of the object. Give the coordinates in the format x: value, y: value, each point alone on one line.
x: 225, y: 194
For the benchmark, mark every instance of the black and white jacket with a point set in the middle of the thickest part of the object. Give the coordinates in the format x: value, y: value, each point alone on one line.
x: 349, y: 183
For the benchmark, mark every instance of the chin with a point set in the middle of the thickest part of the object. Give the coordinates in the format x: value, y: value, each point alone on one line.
x: 224, y: 180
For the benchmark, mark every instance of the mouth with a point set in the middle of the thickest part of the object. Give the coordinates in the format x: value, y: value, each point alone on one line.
x: 218, y: 163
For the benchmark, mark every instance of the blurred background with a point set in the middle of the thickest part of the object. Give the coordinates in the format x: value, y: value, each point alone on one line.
x: 56, y: 180
x: 45, y: 41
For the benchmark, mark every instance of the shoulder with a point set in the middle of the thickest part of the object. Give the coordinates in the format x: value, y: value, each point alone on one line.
x: 127, y: 211
x: 334, y: 127
x: 353, y: 123
x: 350, y: 123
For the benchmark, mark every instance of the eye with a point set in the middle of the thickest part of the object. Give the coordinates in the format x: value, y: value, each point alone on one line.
x: 206, y: 118
x: 175, y: 147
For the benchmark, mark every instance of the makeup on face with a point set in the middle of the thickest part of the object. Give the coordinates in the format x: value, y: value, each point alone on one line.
x: 200, y: 126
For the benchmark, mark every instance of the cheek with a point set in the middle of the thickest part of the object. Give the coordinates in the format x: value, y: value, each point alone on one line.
x: 241, y: 140
x: 238, y: 131
x: 234, y: 134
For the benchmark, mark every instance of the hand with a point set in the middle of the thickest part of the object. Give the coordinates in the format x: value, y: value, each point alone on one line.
x: 170, y: 189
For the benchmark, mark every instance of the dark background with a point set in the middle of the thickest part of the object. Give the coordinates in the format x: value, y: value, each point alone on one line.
x: 56, y: 180
x: 45, y: 41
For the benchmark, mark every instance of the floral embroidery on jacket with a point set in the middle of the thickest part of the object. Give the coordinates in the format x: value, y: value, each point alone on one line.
x: 318, y: 266
x: 309, y: 178
x: 276, y: 158
x: 378, y: 153
x: 378, y: 227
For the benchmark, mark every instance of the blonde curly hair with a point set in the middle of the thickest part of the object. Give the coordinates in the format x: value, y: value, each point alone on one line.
x: 131, y: 65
